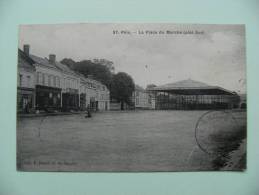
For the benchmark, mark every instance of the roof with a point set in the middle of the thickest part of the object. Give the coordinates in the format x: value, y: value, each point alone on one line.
x: 64, y: 67
x: 57, y: 65
x: 43, y: 61
x: 138, y: 88
x: 86, y: 79
x: 189, y: 83
x: 24, y: 60
x: 192, y: 86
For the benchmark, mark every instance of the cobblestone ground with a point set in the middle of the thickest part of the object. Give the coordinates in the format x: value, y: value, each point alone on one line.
x: 111, y: 141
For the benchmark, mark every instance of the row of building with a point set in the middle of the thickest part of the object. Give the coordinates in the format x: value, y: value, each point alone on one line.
x: 46, y: 84
x: 187, y: 95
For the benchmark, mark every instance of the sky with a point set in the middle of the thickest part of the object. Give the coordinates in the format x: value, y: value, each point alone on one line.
x: 151, y: 53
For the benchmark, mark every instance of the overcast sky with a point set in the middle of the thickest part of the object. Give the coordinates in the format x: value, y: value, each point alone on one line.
x: 216, y: 56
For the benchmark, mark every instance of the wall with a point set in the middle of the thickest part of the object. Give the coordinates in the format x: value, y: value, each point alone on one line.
x: 25, y: 82
x: 48, y: 72
x: 141, y: 99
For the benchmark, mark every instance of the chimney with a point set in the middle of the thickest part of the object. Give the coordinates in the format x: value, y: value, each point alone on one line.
x: 52, y: 58
x: 26, y: 49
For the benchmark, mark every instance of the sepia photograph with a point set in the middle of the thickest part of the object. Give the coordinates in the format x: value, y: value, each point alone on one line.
x: 131, y: 97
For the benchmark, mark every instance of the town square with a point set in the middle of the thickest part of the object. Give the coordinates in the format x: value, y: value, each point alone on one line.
x: 118, y: 141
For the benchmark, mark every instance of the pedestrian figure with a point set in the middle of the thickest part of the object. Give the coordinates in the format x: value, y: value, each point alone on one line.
x: 88, y: 110
x: 27, y: 108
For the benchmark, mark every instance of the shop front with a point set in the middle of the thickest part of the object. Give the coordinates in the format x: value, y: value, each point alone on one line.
x: 48, y: 98
x: 70, y: 100
x: 93, y: 104
x: 83, y: 101
x: 25, y: 100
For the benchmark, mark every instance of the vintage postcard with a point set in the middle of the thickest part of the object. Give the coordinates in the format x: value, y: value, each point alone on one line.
x: 131, y: 97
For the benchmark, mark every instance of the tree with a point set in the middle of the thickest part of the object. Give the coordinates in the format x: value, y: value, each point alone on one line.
x: 87, y: 67
x: 69, y: 62
x: 98, y: 71
x: 104, y: 62
x: 122, y: 87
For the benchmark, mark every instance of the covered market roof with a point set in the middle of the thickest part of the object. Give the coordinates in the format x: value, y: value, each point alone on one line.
x: 190, y: 86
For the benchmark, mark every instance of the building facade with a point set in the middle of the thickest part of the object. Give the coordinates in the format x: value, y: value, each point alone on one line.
x: 242, y: 103
x: 142, y: 99
x: 103, y: 96
x: 46, y: 84
x: 25, y: 83
x: 83, y: 92
x: 97, y: 95
x: 70, y: 86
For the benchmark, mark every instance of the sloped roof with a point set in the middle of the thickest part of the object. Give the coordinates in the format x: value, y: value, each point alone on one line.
x: 43, y: 61
x: 138, y: 88
x: 189, y: 84
x: 64, y: 67
x: 86, y: 79
x: 57, y: 65
x: 24, y: 60
x: 186, y: 84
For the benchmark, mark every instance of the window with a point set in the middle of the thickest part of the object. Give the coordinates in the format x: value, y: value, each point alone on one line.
x: 44, y: 79
x: 67, y: 83
x: 58, y: 82
x: 20, y: 80
x: 49, y: 80
x: 74, y: 84
x: 38, y: 78
x: 41, y: 79
x: 137, y: 101
x: 54, y: 81
x: 71, y: 84
x: 28, y: 81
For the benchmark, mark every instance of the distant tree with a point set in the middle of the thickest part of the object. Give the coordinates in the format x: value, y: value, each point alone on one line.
x: 98, y: 71
x: 107, y: 63
x: 69, y: 62
x: 122, y: 87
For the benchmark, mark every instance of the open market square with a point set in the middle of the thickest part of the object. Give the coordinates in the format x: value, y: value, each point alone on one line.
x: 124, y: 141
